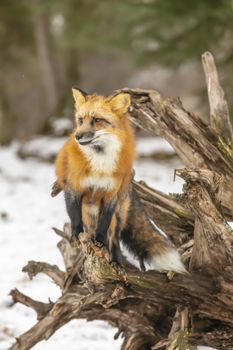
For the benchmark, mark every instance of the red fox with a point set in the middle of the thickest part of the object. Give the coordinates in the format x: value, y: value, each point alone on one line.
x: 94, y: 168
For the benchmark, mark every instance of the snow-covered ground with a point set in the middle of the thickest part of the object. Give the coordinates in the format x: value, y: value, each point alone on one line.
x: 27, y: 213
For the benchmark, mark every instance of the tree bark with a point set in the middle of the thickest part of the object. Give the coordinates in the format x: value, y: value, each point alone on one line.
x: 219, y: 111
x: 195, y: 143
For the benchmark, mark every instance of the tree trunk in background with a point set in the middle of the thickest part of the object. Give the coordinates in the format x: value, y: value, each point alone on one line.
x: 7, y: 122
x: 45, y: 59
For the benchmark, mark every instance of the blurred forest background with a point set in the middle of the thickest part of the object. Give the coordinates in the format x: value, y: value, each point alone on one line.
x: 49, y: 46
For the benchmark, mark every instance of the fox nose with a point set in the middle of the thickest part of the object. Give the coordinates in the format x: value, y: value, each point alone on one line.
x: 78, y: 136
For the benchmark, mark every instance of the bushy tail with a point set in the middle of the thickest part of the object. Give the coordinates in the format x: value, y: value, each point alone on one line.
x: 146, y: 243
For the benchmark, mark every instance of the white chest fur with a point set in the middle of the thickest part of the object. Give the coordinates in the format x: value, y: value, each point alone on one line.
x: 105, y: 161
x: 105, y: 183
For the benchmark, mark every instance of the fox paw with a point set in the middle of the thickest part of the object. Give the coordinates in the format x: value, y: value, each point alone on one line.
x: 115, y: 264
x: 98, y: 243
x: 74, y: 242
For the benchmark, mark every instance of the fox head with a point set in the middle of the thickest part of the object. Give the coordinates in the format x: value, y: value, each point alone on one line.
x: 100, y: 120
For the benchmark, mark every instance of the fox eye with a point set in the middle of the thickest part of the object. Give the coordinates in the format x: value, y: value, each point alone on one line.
x: 80, y: 121
x: 97, y: 120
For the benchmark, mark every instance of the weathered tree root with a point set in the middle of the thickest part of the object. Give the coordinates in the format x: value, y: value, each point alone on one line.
x: 152, y: 310
x: 132, y: 300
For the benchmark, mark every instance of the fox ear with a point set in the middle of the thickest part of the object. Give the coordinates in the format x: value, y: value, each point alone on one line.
x: 79, y: 97
x: 120, y: 103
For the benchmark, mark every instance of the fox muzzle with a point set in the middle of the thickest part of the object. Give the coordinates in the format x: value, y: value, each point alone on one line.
x: 84, y: 138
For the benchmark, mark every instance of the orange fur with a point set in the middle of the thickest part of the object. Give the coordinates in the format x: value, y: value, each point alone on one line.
x: 72, y: 166
x: 94, y: 168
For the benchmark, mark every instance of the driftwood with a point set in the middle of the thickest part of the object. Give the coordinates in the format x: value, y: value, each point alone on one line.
x: 154, y: 310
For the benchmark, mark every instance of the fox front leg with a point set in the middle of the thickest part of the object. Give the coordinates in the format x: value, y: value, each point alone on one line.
x: 73, y: 207
x: 105, y: 217
x: 113, y: 239
x: 117, y: 225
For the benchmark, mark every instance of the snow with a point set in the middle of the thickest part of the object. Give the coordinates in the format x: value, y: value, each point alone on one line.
x: 27, y: 213
x: 153, y: 144
x: 61, y: 125
x: 230, y: 223
x: 46, y: 147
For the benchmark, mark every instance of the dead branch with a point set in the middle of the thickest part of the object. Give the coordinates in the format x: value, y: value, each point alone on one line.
x: 219, y: 112
x: 34, y: 267
x: 213, y: 239
x: 197, y: 144
x: 41, y: 308
x: 111, y: 291
x: 167, y: 212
